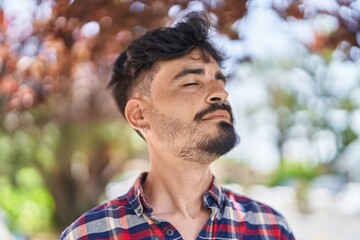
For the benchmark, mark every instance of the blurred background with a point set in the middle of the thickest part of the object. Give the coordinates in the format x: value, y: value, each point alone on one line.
x: 294, y: 87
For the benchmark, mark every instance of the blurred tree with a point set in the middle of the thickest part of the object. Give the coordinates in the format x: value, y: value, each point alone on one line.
x: 54, y: 76
x: 57, y: 93
x: 345, y: 13
x: 311, y: 93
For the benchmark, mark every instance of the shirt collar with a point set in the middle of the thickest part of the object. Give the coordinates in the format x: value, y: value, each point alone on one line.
x: 213, y: 196
x: 136, y: 196
x: 137, y: 200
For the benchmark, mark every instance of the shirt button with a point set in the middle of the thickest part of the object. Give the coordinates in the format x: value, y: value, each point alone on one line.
x: 169, y: 232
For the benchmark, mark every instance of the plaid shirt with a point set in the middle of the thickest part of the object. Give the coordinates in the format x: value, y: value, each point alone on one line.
x: 129, y: 217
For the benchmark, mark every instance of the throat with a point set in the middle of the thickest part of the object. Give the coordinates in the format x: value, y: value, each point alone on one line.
x: 177, y: 191
x: 198, y: 156
x: 188, y: 226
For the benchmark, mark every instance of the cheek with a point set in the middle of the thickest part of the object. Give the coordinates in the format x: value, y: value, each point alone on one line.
x: 185, y: 109
x: 176, y: 103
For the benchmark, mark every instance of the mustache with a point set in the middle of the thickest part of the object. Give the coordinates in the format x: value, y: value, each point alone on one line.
x: 213, y: 108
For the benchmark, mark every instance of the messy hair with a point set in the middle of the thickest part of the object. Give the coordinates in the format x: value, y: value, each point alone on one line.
x: 135, y: 65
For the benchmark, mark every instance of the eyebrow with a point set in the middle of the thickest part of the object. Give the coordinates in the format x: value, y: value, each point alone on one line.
x: 198, y: 71
x: 188, y: 71
x: 220, y: 76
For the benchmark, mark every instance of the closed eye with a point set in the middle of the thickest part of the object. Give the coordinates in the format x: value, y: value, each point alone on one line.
x: 190, y: 84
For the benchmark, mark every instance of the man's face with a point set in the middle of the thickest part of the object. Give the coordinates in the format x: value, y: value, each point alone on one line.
x: 188, y: 111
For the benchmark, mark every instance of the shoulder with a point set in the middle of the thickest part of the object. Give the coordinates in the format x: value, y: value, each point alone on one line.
x: 237, y: 200
x: 99, y: 220
x: 254, y: 213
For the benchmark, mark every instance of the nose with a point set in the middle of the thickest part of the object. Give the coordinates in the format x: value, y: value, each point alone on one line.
x: 217, y: 94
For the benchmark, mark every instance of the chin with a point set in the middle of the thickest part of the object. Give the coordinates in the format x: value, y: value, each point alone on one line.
x: 221, y: 142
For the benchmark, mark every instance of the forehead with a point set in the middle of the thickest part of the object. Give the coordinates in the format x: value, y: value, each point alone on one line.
x: 194, y: 59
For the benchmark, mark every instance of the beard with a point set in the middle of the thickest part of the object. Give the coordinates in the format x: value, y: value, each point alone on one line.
x: 194, y: 142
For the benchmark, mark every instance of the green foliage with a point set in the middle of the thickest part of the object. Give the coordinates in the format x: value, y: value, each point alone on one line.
x: 117, y: 135
x: 27, y: 202
x: 289, y: 172
x: 28, y: 147
x: 348, y: 136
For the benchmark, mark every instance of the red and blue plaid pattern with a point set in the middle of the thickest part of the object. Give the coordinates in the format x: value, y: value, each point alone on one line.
x: 129, y: 217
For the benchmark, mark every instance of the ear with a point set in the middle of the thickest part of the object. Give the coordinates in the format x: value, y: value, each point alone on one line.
x: 134, y: 113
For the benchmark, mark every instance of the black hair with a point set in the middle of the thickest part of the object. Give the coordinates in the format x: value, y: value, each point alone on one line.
x: 136, y: 63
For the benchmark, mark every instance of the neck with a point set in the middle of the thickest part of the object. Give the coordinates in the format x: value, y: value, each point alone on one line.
x: 175, y: 185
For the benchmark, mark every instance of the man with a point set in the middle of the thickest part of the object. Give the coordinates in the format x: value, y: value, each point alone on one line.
x: 169, y: 86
